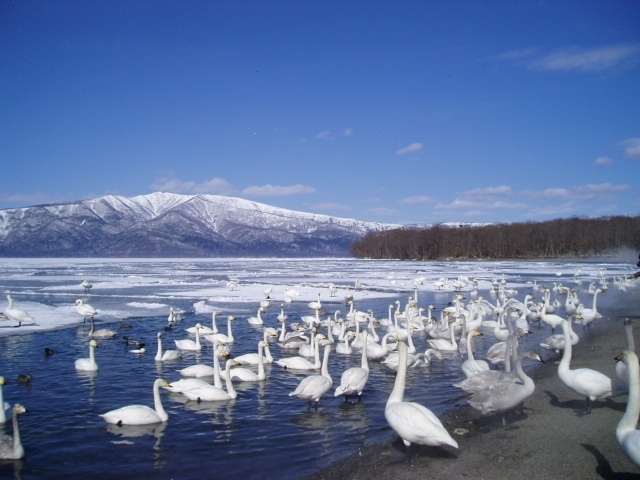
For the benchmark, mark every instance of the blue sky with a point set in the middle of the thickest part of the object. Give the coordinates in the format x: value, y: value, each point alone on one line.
x: 398, y: 112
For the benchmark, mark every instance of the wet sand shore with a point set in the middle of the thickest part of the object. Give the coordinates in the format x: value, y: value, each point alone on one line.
x: 553, y: 438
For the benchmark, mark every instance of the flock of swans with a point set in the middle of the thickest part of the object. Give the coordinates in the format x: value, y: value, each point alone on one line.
x: 497, y: 384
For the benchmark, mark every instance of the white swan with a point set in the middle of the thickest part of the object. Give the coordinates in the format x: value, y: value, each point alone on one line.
x: 626, y: 433
x: 445, y: 345
x: 3, y: 405
x: 354, y: 379
x: 549, y: 318
x: 413, y: 422
x: 588, y: 315
x: 11, y: 448
x: 313, y: 387
x: 471, y: 366
x: 376, y: 351
x: 165, y: 355
x: 300, y: 363
x: 16, y: 314
x: 140, y: 414
x: 308, y: 349
x: 257, y: 320
x: 188, y: 344
x: 392, y: 360
x: 206, y: 330
x: 621, y: 368
x: 211, y: 393
x: 253, y: 358
x: 590, y: 383
x: 344, y: 348
x: 88, y: 364
x: 201, y: 369
x: 246, y: 375
x: 221, y: 337
x: 503, y: 396
x: 101, y: 334
x: 555, y: 342
x: 84, y: 309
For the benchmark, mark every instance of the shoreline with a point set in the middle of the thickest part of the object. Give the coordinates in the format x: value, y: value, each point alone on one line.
x: 553, y: 438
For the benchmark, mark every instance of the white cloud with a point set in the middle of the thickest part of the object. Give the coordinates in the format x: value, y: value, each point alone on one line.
x: 276, y: 191
x: 488, y: 192
x: 323, y: 135
x: 587, y: 60
x: 215, y: 186
x: 414, y: 147
x: 603, y: 161
x: 417, y: 200
x: 631, y: 148
x: 584, y: 192
x: 348, y: 132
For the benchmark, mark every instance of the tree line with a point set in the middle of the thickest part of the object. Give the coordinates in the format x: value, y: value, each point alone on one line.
x: 572, y: 237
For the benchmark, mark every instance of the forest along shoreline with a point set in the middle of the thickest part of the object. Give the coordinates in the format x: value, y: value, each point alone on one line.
x: 553, y: 438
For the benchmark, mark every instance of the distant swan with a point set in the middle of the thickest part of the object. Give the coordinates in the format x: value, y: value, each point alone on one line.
x: 413, y: 422
x: 140, y: 414
x: 86, y: 284
x: 88, y: 364
x: 626, y: 433
x: 11, y: 448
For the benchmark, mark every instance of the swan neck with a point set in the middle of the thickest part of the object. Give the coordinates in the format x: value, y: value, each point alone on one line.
x: 158, y: 402
x: 260, y: 360
x: 630, y: 418
x: 469, y: 346
x: 17, y: 444
x: 230, y: 390
x: 159, y: 354
x: 217, y: 381
x: 565, y: 362
x: 397, y: 394
x: 325, y: 362
x: 364, y: 361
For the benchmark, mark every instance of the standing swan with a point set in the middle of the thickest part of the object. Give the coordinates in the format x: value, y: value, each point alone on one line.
x: 626, y: 433
x: 16, y: 314
x: 354, y: 379
x: 140, y: 414
x: 84, y: 309
x: 11, y: 448
x: 88, y: 364
x: 411, y: 421
x: 313, y: 387
x: 585, y: 381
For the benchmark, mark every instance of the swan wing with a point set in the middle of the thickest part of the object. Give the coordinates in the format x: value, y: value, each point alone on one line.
x: 417, y: 424
x: 132, y: 415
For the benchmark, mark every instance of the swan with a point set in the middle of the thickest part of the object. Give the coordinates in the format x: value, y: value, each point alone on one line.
x: 376, y: 351
x: 88, y: 364
x: 257, y: 320
x: 590, y: 383
x: 206, y: 330
x: 555, y: 342
x: 211, y: 393
x: 253, y: 358
x: 549, y: 318
x: 185, y: 384
x: 3, y: 405
x: 140, y: 414
x: 16, y: 314
x: 354, y: 379
x: 503, y: 396
x: 308, y: 349
x: 444, y: 344
x: 313, y: 387
x: 188, y: 344
x: 300, y: 363
x: 413, y: 422
x: 392, y: 360
x: 11, y: 448
x: 621, y: 367
x: 201, y: 369
x: 84, y: 309
x: 344, y: 348
x: 86, y: 284
x: 588, y: 315
x: 626, y: 433
x: 246, y: 375
x: 101, y: 334
x: 166, y: 355
x: 221, y: 337
x: 471, y: 366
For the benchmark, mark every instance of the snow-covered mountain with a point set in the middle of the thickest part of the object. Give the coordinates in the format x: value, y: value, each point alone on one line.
x: 171, y: 225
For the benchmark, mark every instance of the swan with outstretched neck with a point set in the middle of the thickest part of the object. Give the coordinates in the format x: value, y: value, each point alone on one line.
x: 16, y: 314
x: 88, y: 364
x: 354, y: 379
x: 413, y: 422
x: 313, y: 387
x: 11, y: 447
x: 140, y: 414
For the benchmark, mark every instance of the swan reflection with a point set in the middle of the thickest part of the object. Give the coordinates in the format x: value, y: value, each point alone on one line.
x: 132, y: 431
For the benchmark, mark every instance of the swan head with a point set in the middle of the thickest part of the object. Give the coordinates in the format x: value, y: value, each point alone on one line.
x: 94, y: 344
x: 2, y: 381
x: 231, y: 317
x: 78, y: 301
x: 18, y: 409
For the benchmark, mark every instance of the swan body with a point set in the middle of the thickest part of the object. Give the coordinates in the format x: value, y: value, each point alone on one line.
x: 344, y: 348
x: 257, y: 320
x: 354, y: 379
x: 588, y: 315
x: 165, y: 355
x: 206, y: 330
x: 86, y: 284
x: 188, y: 344
x: 101, y: 334
x: 16, y: 314
x: 88, y: 364
x: 393, y: 359
x: 376, y: 351
x: 201, y: 369
x: 11, y: 448
x: 300, y: 363
x: 590, y: 383
x: 471, y: 366
x: 503, y: 396
x: 413, y: 422
x: 211, y: 393
x: 84, y: 309
x: 445, y: 345
x: 246, y: 375
x: 140, y: 414
x: 221, y: 337
x: 313, y: 387
x: 253, y: 358
x: 626, y: 433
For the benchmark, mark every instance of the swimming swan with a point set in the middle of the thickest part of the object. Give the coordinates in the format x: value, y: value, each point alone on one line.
x: 201, y: 369
x: 211, y: 393
x: 313, y: 387
x: 354, y: 379
x: 101, y: 334
x: 246, y: 375
x: 206, y: 330
x: 165, y: 355
x: 221, y: 337
x: 188, y: 344
x: 626, y: 433
x: 590, y: 383
x: 300, y: 363
x: 88, y: 364
x: 471, y: 366
x: 140, y: 414
x: 11, y: 448
x: 411, y: 421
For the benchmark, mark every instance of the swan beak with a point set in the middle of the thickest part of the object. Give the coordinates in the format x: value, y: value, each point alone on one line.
x: 166, y: 384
